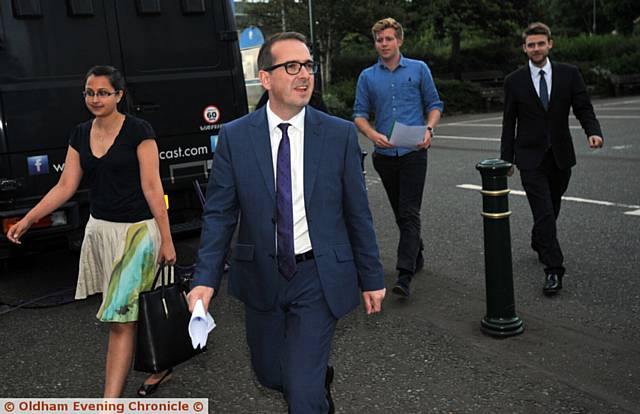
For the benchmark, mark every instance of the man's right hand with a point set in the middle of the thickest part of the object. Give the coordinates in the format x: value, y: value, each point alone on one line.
x: 200, y: 292
x: 510, y: 172
x: 381, y: 141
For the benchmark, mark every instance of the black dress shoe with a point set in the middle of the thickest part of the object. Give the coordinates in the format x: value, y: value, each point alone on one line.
x: 403, y: 286
x: 146, y: 390
x: 552, y: 284
x: 328, y: 379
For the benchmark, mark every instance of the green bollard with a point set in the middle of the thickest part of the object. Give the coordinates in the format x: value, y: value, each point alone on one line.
x: 501, y: 319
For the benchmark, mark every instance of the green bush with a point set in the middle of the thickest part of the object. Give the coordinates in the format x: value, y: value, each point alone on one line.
x: 597, y: 57
x: 593, y: 48
x: 597, y: 78
x: 475, y: 56
x: 625, y: 64
x: 339, y: 98
x: 348, y: 67
x: 460, y: 96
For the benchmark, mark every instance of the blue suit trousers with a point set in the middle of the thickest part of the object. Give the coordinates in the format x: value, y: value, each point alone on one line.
x: 290, y: 344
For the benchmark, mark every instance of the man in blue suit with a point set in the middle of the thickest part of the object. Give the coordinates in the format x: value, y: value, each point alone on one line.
x: 306, y: 244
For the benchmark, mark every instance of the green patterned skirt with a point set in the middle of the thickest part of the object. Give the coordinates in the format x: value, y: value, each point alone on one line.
x: 119, y: 260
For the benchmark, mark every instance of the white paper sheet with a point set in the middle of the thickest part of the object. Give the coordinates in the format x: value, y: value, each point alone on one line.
x: 407, y: 136
x: 200, y: 325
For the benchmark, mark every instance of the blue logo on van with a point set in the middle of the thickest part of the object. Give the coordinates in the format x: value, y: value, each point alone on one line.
x: 214, y: 142
x: 38, y: 164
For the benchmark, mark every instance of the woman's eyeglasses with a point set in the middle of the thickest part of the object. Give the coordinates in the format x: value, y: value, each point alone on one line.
x: 100, y: 94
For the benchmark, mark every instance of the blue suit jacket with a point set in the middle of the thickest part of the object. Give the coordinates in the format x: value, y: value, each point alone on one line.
x: 242, y: 187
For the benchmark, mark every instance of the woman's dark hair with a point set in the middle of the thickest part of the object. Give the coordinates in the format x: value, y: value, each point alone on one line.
x: 115, y: 79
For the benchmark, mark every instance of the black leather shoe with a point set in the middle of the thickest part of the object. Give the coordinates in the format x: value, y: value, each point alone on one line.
x: 146, y: 390
x: 403, y: 286
x: 328, y: 379
x: 552, y: 284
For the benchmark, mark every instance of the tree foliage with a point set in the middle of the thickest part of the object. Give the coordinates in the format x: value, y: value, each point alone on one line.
x: 454, y: 19
x: 622, y: 13
x: 574, y: 17
x: 339, y: 23
x: 333, y: 21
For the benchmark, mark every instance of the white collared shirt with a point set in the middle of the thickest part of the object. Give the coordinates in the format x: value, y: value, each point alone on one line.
x: 535, y: 76
x: 301, y: 240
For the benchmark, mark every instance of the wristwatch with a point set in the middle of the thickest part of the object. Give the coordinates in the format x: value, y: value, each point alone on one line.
x: 431, y: 130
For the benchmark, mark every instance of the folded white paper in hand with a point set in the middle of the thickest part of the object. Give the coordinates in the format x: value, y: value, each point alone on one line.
x: 200, y: 325
x: 408, y: 136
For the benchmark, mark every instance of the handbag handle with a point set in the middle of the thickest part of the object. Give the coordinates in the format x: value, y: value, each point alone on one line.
x: 159, y: 272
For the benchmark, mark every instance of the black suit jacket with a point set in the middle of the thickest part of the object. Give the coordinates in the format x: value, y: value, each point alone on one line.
x: 525, y: 123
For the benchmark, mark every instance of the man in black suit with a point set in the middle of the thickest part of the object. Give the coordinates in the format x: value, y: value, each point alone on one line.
x: 536, y: 137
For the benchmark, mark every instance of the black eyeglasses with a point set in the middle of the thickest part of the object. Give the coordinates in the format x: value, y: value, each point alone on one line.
x: 100, y: 94
x: 293, y: 68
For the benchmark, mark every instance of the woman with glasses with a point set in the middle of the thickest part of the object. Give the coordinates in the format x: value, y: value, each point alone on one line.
x: 128, y: 230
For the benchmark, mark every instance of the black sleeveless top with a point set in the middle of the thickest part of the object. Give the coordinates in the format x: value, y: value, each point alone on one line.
x: 114, y: 179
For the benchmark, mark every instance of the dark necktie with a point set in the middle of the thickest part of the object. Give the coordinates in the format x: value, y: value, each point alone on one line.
x: 544, y: 92
x: 284, y: 206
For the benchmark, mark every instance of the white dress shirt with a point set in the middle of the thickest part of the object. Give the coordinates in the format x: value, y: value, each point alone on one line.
x: 535, y: 76
x: 301, y: 240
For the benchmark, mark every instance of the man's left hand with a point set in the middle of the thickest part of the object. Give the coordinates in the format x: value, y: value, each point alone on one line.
x: 373, y: 300
x: 595, y: 141
x: 426, y: 143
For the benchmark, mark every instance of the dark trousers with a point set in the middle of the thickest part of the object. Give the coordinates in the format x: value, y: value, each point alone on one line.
x: 403, y: 179
x: 290, y: 344
x: 545, y: 186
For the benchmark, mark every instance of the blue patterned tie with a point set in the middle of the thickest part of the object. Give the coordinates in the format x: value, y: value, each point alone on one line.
x: 284, y: 206
x: 544, y: 92
x: 544, y: 99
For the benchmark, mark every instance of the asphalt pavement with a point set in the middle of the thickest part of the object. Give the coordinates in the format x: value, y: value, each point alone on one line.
x: 579, y: 352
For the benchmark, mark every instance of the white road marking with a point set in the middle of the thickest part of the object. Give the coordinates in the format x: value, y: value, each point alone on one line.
x: 458, y: 124
x: 636, y: 208
x: 488, y: 125
x: 612, y: 108
x: 618, y: 116
x: 621, y: 147
x: 620, y: 103
x: 437, y: 137
x: 471, y: 121
x: 372, y: 180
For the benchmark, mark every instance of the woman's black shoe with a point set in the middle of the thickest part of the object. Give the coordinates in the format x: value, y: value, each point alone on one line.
x: 146, y: 390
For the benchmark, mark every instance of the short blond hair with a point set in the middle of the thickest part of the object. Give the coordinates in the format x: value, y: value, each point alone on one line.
x: 388, y: 23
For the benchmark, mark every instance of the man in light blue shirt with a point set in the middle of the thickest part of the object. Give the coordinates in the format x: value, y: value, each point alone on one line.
x: 399, y: 89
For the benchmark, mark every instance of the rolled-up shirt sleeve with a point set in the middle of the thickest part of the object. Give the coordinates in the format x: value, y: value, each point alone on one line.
x: 362, y: 104
x: 429, y: 92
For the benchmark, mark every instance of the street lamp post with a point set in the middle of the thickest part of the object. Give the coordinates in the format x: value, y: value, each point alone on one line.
x: 283, y: 17
x: 313, y: 45
x: 593, y: 29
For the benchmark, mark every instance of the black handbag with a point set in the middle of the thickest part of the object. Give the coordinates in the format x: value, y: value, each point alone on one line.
x: 163, y: 339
